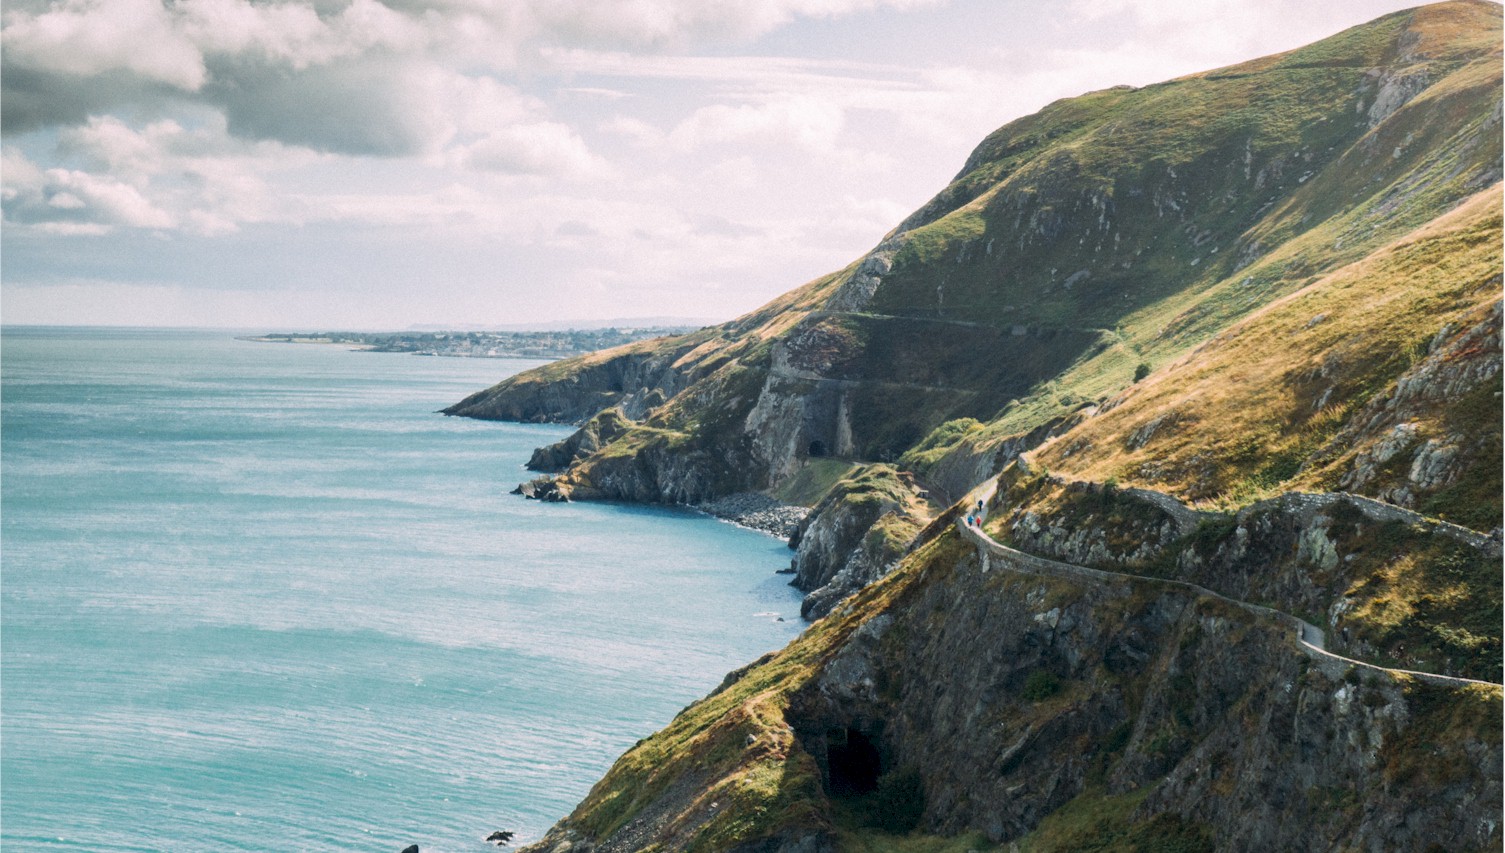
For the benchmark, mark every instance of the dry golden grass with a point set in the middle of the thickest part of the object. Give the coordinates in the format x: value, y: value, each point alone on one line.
x: 1250, y: 395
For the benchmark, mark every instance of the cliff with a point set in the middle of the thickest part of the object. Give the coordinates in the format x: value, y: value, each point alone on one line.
x: 972, y: 700
x: 1239, y: 330
x: 1082, y: 254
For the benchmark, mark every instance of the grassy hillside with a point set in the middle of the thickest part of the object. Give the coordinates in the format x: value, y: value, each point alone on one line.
x: 1280, y: 276
x: 1102, y: 238
x: 1255, y: 410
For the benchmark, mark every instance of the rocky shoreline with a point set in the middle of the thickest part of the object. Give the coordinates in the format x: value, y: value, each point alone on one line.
x: 746, y: 509
x: 759, y: 512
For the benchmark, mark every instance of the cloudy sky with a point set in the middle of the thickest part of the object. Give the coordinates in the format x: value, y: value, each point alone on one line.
x: 473, y: 163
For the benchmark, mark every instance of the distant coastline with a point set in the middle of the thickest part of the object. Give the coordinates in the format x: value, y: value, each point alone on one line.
x: 303, y: 339
x: 534, y: 344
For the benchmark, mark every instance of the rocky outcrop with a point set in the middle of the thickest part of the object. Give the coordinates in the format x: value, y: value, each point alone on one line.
x: 599, y: 431
x: 663, y: 473
x: 1031, y: 693
x: 634, y: 378
x: 972, y: 461
x: 1398, y: 449
x: 854, y: 536
x: 1335, y: 558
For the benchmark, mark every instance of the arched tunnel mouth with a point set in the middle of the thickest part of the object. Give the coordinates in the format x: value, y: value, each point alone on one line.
x: 853, y: 763
x: 817, y: 449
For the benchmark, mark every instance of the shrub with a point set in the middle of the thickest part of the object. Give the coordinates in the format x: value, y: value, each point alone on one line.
x: 899, y: 802
x: 1041, y: 684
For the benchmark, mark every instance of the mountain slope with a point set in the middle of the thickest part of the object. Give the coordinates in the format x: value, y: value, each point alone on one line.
x: 1118, y: 228
x: 1172, y: 322
x: 1078, y: 250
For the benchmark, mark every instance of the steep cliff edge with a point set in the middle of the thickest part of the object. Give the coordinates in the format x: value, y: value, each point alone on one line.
x: 992, y: 705
x: 1081, y: 253
x: 1384, y: 584
x: 1197, y: 313
x: 857, y: 532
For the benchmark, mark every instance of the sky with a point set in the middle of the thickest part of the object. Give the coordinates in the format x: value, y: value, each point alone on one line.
x: 387, y: 164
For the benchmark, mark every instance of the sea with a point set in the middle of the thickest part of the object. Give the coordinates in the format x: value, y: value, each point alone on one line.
x: 261, y: 596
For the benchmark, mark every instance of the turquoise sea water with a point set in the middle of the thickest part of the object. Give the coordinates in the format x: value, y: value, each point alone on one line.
x: 260, y: 597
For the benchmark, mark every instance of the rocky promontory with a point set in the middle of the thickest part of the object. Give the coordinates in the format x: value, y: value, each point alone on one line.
x: 1245, y: 328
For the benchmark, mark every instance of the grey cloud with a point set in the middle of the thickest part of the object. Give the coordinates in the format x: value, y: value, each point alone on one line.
x: 75, y: 202
x: 364, y: 108
x: 33, y: 100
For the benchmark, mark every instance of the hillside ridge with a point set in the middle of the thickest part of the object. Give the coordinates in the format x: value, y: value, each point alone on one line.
x: 1237, y: 333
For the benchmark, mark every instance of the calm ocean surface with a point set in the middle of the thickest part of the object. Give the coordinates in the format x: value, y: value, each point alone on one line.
x: 260, y: 597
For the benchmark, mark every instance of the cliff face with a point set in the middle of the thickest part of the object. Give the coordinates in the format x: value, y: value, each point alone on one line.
x: 968, y: 699
x: 1386, y: 584
x: 855, y: 535
x: 1088, y: 249
x: 1179, y: 320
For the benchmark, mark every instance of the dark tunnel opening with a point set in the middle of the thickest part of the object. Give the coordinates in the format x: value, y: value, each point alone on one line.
x: 853, y: 763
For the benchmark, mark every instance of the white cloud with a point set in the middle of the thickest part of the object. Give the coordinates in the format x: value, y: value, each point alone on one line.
x: 296, y: 35
x: 545, y: 148
x: 636, y: 131
x: 802, y: 121
x: 85, y: 38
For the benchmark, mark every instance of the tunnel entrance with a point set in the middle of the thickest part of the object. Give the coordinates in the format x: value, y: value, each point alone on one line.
x: 817, y: 448
x: 853, y: 762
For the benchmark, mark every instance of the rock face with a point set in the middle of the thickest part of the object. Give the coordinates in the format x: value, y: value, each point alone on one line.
x: 1314, y: 554
x: 635, y: 378
x: 1398, y: 449
x: 1029, y: 693
x: 854, y: 536
x: 1002, y: 697
x: 601, y: 430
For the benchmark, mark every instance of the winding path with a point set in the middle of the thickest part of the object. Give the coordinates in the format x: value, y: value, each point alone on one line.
x: 1309, y: 637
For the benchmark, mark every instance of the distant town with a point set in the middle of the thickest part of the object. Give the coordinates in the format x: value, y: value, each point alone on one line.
x: 550, y: 344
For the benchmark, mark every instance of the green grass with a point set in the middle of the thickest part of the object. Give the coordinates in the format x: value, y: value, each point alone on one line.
x: 1438, y: 600
x: 1443, y: 721
x: 813, y: 480
x: 1040, y: 685
x: 1098, y: 822
x: 1246, y: 418
x: 867, y: 840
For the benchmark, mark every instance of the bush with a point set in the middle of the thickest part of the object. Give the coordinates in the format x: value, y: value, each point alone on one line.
x: 1141, y: 371
x: 1041, y: 684
x: 899, y: 802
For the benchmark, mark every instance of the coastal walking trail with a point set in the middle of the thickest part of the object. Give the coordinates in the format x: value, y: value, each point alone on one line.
x: 1309, y: 637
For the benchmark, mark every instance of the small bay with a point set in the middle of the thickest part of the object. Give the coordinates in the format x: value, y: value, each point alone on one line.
x: 261, y: 597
